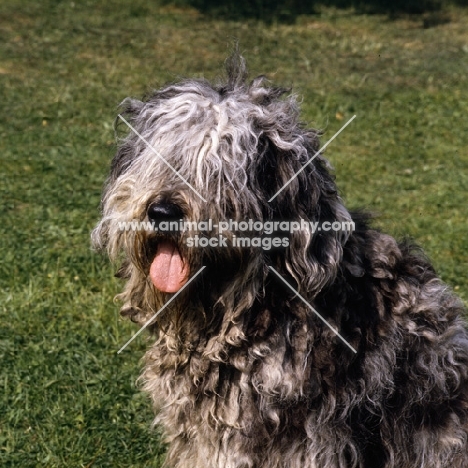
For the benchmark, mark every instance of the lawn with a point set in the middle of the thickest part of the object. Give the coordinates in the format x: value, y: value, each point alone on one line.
x: 68, y: 400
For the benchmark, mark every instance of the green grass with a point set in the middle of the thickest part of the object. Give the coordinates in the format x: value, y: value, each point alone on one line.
x: 67, y: 398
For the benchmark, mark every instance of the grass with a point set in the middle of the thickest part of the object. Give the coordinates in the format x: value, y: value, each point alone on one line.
x: 67, y: 398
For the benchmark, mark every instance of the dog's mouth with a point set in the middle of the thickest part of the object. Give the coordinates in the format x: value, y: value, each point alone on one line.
x: 168, y: 271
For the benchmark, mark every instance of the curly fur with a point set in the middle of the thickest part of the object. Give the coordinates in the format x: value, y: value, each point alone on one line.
x: 241, y: 372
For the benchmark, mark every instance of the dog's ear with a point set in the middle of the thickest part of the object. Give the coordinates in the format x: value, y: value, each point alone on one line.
x: 129, y: 144
x: 302, y: 190
x: 293, y: 183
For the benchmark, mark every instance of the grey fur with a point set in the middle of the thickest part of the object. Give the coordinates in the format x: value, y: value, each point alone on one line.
x: 241, y: 373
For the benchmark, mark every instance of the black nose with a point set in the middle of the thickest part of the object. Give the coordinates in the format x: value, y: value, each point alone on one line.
x: 164, y: 211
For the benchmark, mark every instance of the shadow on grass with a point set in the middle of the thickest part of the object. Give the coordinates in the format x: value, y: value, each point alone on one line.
x: 288, y: 10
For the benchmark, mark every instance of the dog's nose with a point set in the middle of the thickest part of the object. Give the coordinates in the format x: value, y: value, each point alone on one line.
x: 164, y: 211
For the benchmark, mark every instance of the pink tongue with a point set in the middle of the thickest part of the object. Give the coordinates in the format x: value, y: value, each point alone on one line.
x: 168, y: 272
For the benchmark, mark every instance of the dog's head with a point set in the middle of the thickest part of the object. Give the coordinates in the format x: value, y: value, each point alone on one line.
x: 228, y: 153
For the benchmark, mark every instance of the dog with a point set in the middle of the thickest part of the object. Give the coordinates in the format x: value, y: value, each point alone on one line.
x: 295, y: 348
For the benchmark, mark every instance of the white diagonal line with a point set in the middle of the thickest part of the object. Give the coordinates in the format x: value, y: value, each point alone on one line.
x: 312, y: 158
x: 313, y: 310
x: 160, y: 310
x: 156, y: 152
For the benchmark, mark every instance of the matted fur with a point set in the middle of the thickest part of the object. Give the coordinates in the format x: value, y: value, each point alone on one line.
x: 242, y: 374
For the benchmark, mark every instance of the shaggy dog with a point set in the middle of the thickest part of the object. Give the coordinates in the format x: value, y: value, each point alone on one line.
x: 362, y: 361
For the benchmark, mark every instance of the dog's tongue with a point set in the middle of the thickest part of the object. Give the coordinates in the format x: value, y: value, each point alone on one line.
x: 168, y: 272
